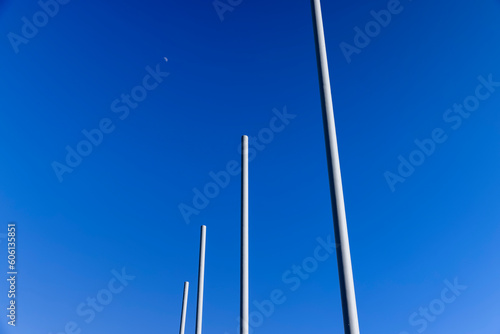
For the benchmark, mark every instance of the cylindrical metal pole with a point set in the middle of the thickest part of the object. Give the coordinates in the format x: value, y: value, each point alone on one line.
x: 244, y: 238
x: 201, y: 279
x: 184, y: 307
x: 339, y: 218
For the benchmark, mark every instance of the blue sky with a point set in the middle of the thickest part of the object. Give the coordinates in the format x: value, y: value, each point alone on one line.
x: 110, y: 220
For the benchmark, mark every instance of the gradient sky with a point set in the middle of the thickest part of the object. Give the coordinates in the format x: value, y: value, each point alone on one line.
x: 119, y: 207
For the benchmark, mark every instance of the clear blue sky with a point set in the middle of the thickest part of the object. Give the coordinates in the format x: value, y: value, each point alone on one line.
x: 119, y: 205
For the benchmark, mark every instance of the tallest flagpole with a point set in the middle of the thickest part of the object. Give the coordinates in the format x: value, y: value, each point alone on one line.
x: 337, y: 197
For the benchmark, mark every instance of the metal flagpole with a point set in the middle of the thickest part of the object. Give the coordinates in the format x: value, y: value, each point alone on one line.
x: 244, y: 238
x: 184, y: 307
x: 201, y: 278
x: 348, y: 297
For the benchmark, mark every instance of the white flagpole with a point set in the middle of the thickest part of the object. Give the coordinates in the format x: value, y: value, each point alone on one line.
x: 201, y: 279
x: 244, y: 238
x: 184, y: 307
x: 348, y: 297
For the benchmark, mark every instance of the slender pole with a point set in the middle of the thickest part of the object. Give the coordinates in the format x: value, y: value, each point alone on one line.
x: 339, y: 218
x: 201, y: 279
x: 244, y: 238
x: 184, y: 307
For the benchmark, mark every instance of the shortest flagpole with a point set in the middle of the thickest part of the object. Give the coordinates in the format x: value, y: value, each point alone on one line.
x: 201, y: 279
x: 184, y: 307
